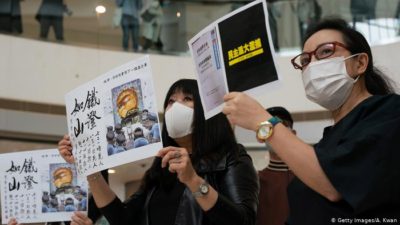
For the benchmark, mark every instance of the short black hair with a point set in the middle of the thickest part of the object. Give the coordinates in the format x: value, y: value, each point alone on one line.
x: 282, y: 113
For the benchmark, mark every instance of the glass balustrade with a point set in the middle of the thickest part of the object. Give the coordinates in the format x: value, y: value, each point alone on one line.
x: 165, y: 26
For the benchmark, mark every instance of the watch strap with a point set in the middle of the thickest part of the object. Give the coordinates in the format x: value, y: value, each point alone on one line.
x: 197, y: 194
x: 275, y: 120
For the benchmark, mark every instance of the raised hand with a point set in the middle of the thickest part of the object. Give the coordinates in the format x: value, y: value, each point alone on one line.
x: 244, y: 111
x: 13, y: 221
x: 65, y: 149
x: 179, y: 162
x: 80, y: 219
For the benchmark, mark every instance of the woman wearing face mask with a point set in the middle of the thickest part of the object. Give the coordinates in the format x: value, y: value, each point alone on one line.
x: 353, y: 172
x: 201, y: 177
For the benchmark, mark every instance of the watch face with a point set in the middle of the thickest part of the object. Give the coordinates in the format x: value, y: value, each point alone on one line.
x: 264, y: 132
x: 204, y: 189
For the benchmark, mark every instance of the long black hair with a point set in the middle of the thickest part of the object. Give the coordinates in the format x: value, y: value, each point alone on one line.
x: 211, y: 139
x: 375, y: 81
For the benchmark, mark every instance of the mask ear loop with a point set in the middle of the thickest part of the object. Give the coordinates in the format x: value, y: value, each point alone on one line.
x: 351, y: 56
x: 358, y: 76
x: 356, y: 79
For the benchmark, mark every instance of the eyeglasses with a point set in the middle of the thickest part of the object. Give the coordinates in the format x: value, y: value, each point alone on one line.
x: 323, y: 51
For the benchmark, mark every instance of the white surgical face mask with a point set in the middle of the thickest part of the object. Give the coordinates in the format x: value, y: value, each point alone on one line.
x: 327, y: 82
x: 179, y: 119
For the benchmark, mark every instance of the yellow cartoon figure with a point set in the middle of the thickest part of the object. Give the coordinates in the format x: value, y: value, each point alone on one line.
x: 62, y: 177
x: 127, y: 102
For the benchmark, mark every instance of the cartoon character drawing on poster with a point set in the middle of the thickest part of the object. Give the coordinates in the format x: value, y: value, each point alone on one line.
x: 134, y: 126
x: 63, y: 193
x: 127, y: 103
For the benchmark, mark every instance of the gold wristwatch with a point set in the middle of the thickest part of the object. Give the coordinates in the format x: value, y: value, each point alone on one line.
x: 265, y: 128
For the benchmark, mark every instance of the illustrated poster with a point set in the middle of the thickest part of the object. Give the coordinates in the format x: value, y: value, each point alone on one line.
x: 113, y: 119
x: 39, y: 186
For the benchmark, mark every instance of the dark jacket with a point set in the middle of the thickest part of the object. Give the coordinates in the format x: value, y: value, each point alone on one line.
x: 361, y: 8
x: 52, y: 8
x: 233, y: 177
x: 10, y: 7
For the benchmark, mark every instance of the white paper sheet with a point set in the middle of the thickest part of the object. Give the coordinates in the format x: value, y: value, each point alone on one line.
x: 39, y: 186
x: 121, y: 106
x: 234, y: 53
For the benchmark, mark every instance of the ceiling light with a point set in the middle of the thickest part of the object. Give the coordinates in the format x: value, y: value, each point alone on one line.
x: 100, y: 9
x: 111, y: 171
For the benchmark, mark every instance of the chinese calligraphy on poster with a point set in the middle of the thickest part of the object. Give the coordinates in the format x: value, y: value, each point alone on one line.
x: 38, y: 186
x: 113, y: 119
x: 230, y: 56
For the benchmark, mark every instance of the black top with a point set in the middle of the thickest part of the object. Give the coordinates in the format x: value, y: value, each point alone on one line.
x: 361, y: 157
x: 164, y: 204
x: 234, y: 178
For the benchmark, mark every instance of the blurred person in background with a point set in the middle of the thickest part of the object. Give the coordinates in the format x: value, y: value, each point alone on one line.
x: 152, y: 19
x: 273, y: 207
x: 130, y: 22
x: 51, y: 14
x: 10, y: 16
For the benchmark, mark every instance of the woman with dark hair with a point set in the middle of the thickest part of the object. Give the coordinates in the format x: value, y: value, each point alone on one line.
x: 201, y: 177
x: 353, y: 171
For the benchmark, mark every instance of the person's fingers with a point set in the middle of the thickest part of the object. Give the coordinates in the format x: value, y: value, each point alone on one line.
x: 175, y: 167
x: 75, y: 218
x: 70, y: 160
x: 175, y: 160
x: 183, y: 169
x: 12, y: 221
x: 65, y: 152
x: 172, y: 169
x: 228, y: 109
x: 66, y: 136
x: 179, y: 158
x: 80, y: 215
x: 170, y: 155
x: 165, y: 150
x: 88, y: 221
x: 230, y: 96
x: 162, y: 152
x: 63, y: 142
